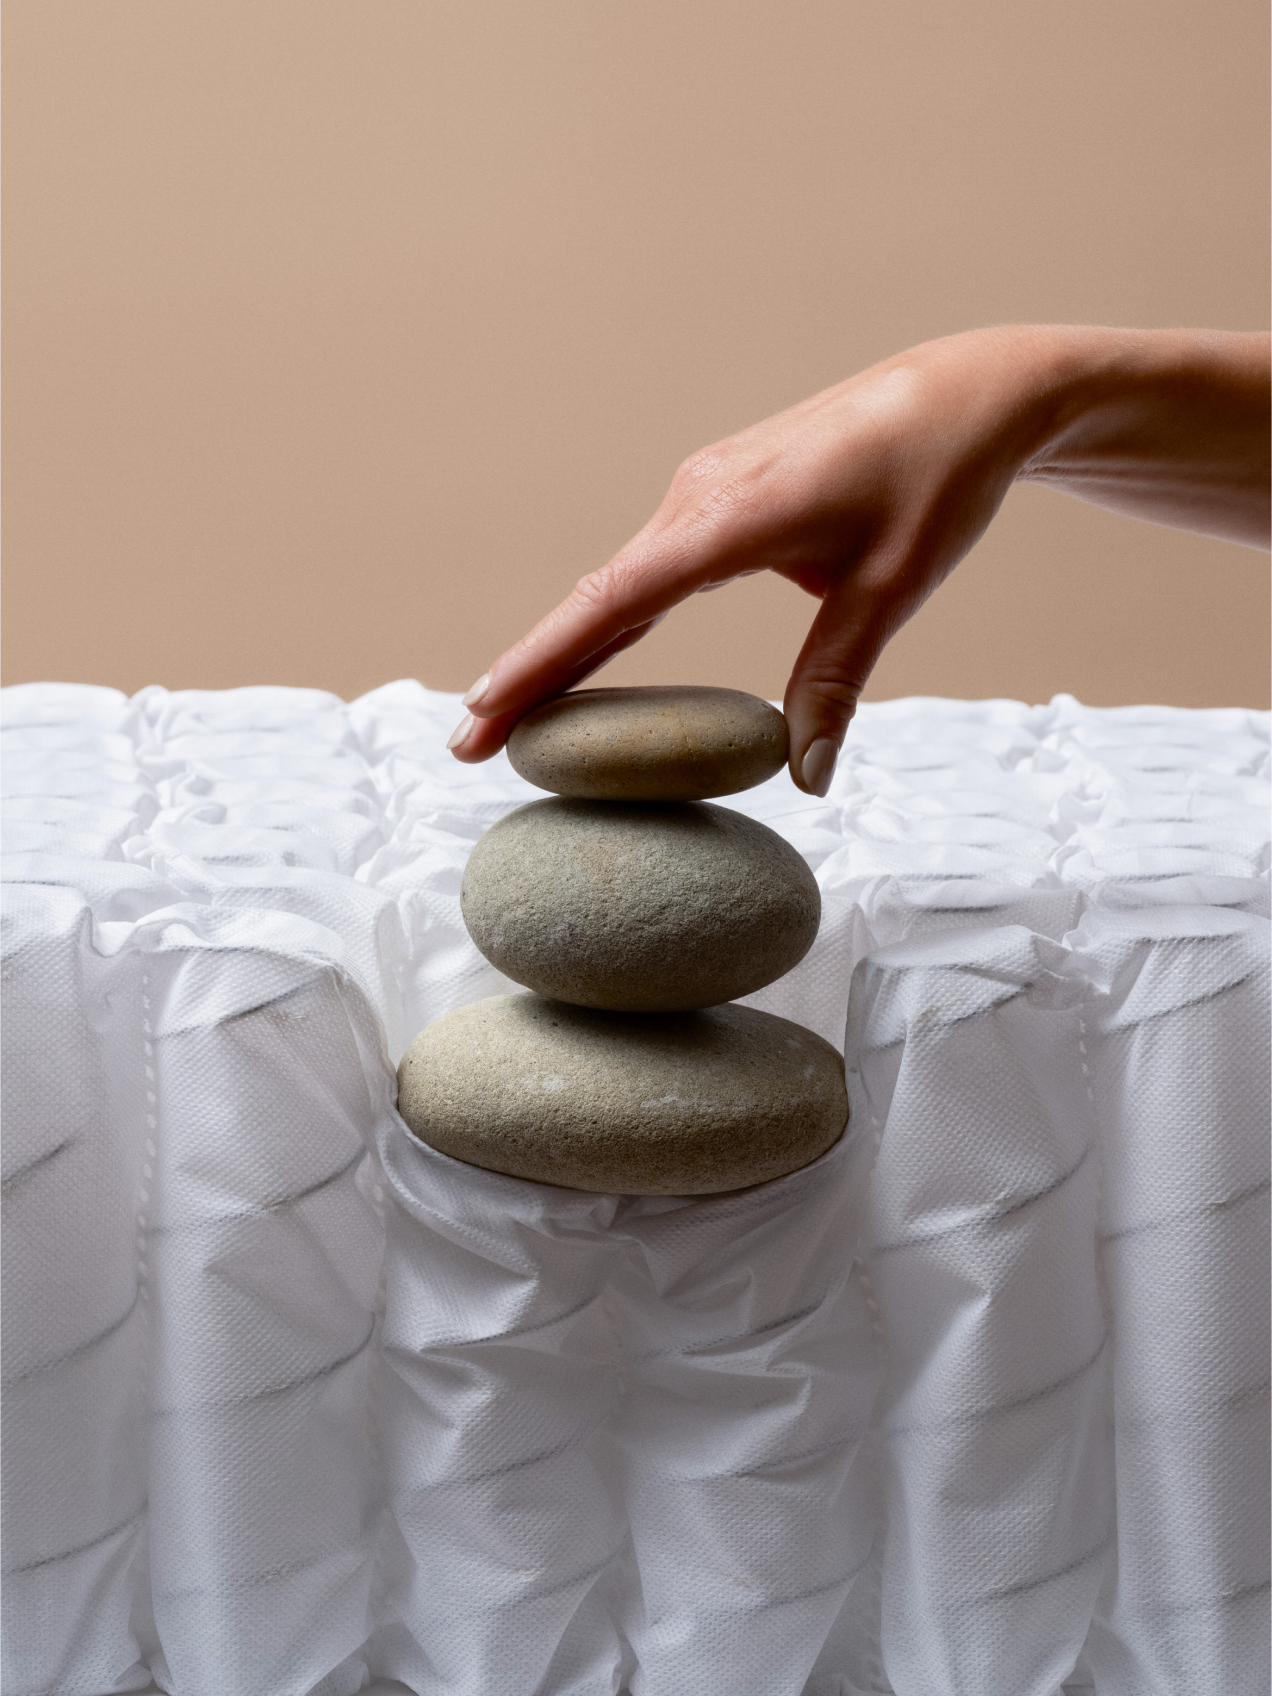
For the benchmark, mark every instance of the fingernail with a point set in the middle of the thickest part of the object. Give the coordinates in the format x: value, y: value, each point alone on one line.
x: 818, y: 765
x: 477, y: 691
x: 461, y: 731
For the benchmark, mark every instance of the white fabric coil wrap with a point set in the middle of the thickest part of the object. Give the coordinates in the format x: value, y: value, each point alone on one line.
x: 295, y: 1406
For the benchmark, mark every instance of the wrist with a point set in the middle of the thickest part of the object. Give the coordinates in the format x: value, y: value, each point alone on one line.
x: 1054, y: 379
x: 1092, y: 384
x: 1002, y: 398
x: 1029, y: 392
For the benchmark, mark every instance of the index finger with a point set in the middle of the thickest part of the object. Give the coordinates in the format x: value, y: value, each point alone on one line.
x: 481, y: 736
x: 604, y: 613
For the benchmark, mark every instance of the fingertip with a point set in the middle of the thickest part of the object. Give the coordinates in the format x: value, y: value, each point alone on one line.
x: 484, y: 700
x: 823, y: 694
x: 478, y: 739
x: 460, y: 733
x: 818, y: 723
x: 817, y: 766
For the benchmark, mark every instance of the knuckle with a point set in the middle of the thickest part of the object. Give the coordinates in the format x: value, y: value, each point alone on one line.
x: 725, y: 511
x: 593, y: 591
x: 609, y: 587
x: 716, y: 490
x: 699, y: 468
x: 734, y: 494
x: 834, y: 692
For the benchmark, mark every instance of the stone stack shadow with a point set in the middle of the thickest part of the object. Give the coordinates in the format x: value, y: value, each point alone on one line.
x: 635, y: 912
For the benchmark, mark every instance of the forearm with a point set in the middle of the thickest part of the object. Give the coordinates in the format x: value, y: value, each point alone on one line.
x: 1166, y: 425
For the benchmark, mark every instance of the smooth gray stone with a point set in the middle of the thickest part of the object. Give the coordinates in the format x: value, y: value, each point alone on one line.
x: 625, y: 1104
x: 638, y: 906
x: 662, y: 744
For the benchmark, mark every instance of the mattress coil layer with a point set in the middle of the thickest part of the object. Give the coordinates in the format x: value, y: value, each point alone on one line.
x: 293, y: 1404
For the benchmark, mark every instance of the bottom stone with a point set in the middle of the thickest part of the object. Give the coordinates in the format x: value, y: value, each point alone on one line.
x: 623, y: 1103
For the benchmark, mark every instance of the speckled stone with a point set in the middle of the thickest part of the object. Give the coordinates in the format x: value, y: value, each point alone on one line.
x: 682, y: 744
x: 654, y: 1104
x: 639, y: 906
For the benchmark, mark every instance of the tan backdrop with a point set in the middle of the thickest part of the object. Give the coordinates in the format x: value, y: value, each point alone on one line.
x: 342, y: 337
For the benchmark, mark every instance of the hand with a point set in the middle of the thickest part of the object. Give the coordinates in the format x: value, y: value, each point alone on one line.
x: 868, y: 494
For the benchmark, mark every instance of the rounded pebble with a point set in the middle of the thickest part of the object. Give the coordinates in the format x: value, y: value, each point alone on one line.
x: 638, y: 906
x: 656, y: 1104
x: 664, y: 744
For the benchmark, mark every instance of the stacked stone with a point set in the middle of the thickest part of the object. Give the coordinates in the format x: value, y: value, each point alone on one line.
x: 635, y: 912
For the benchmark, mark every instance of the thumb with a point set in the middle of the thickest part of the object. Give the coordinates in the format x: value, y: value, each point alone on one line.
x: 847, y: 636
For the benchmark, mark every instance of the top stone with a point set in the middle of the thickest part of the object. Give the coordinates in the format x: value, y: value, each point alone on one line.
x: 658, y: 744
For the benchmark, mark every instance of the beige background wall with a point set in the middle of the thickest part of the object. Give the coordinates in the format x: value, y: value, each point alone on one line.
x: 342, y: 337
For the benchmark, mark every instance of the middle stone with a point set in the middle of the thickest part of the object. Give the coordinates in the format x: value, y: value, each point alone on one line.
x: 639, y: 907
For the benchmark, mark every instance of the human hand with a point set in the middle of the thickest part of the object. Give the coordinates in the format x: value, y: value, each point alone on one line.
x: 868, y: 494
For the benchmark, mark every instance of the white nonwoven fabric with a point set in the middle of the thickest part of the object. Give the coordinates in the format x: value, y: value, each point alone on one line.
x: 295, y: 1406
